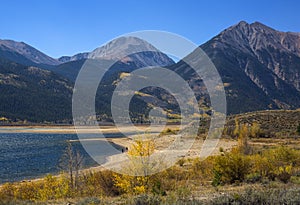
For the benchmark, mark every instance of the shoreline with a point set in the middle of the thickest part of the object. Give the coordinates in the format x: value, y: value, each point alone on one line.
x: 119, y: 142
x: 125, y: 142
x: 54, y: 129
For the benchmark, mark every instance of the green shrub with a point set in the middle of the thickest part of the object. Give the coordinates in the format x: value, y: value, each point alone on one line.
x: 202, y: 169
x: 146, y: 200
x: 261, y: 165
x: 89, y: 201
x: 183, y: 193
x: 253, y: 178
x: 217, y: 180
x: 283, y: 156
x: 295, y: 180
x: 232, y: 167
x: 254, y: 196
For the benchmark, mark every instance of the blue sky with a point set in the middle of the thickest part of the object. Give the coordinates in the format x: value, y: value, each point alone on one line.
x: 59, y: 27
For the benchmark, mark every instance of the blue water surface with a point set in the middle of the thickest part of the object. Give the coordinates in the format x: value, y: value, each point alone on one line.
x: 26, y: 156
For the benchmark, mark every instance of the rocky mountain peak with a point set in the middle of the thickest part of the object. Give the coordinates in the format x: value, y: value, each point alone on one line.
x: 267, y: 58
x: 119, y: 47
x: 143, y: 53
x: 257, y: 36
x: 26, y: 51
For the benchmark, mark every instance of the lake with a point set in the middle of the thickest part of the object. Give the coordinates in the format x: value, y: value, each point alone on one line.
x: 26, y: 156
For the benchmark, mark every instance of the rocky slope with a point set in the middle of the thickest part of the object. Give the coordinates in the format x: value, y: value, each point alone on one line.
x: 25, y: 54
x: 259, y: 66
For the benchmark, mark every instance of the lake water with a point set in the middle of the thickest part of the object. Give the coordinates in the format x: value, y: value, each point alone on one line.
x: 26, y: 156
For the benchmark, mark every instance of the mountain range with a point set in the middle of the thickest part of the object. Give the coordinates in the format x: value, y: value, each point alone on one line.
x: 259, y: 66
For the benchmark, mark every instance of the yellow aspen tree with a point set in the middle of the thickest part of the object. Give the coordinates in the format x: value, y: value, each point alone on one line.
x: 139, y: 166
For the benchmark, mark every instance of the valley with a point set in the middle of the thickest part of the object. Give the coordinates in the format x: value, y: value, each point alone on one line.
x: 48, y: 156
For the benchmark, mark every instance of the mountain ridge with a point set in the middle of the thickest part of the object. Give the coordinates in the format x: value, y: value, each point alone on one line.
x: 142, y: 54
x: 29, y: 52
x: 118, y: 50
x: 259, y: 66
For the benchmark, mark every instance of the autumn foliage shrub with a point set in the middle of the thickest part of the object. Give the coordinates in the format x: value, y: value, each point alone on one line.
x: 231, y: 167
